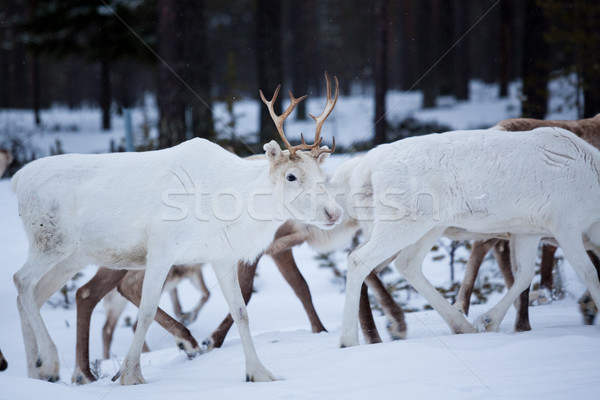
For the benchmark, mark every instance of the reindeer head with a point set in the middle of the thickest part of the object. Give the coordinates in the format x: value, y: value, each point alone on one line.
x: 297, y: 172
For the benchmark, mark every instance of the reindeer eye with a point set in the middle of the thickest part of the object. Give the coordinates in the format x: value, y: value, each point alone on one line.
x: 291, y: 177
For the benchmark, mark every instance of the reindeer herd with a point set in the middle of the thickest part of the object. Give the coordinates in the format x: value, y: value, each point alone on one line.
x: 152, y: 219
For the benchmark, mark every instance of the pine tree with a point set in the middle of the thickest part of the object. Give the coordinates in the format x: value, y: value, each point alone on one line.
x: 95, y: 30
x: 184, y: 96
x: 535, y: 64
x: 269, y: 60
x: 575, y: 31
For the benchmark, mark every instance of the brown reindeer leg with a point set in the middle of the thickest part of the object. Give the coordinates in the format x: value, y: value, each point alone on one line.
x: 198, y: 281
x: 114, y: 305
x: 502, y: 254
x: 87, y: 297
x: 177, y: 310
x: 588, y: 308
x: 546, y: 267
x: 131, y: 289
x: 289, y: 270
x: 367, y: 323
x: 246, y: 274
x: 393, y: 312
x: 479, y: 250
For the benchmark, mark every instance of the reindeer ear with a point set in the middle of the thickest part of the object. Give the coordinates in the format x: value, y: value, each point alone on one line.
x: 272, y: 151
x: 323, y: 156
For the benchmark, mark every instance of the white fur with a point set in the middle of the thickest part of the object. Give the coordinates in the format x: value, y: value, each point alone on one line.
x: 541, y: 183
x: 126, y: 211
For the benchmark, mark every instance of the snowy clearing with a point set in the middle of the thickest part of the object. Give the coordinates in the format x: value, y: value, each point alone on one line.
x: 559, y: 358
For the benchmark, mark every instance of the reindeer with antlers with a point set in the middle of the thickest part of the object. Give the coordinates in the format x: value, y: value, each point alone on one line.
x: 100, y: 209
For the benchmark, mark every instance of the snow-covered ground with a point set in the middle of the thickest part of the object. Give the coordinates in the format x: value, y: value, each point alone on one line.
x: 559, y: 358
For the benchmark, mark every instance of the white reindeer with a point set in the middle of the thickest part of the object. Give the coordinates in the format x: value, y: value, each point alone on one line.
x: 119, y: 210
x: 481, y: 182
x: 587, y: 129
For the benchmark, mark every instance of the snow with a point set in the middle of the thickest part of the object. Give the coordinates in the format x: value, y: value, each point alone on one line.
x: 558, y: 358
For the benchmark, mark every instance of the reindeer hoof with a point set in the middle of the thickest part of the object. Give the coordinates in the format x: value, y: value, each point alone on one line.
x: 48, y: 369
x: 82, y: 377
x: 188, y: 318
x: 460, y: 328
x: 49, y: 377
x: 260, y: 375
x: 208, y: 344
x: 191, y: 349
x: 79, y: 379
x: 344, y: 345
x: 588, y: 309
x: 3, y: 365
x: 397, y: 330
x: 486, y: 324
x: 540, y: 297
x: 129, y: 376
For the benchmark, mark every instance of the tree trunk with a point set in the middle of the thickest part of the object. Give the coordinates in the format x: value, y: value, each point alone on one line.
x: 535, y: 64
x: 184, y: 77
x: 409, y: 60
x: 35, y: 87
x: 381, y: 70
x: 35, y: 70
x: 505, y: 48
x: 591, y: 64
x: 171, y: 105
x: 431, y: 35
x: 269, y: 62
x: 196, y: 70
x: 299, y: 57
x: 105, y: 95
x: 460, y: 54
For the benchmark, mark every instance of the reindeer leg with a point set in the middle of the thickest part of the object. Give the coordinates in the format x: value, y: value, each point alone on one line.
x: 409, y: 263
x: 3, y: 363
x: 503, y: 259
x: 132, y: 291
x: 35, y: 284
x: 289, y: 270
x: 246, y: 273
x: 177, y: 310
x: 479, y: 250
x: 198, y: 281
x: 380, y: 247
x: 523, y: 249
x: 546, y: 267
x: 587, y: 306
x: 395, y: 315
x: 145, y: 348
x: 158, y: 265
x: 367, y: 323
x: 228, y: 280
x: 114, y: 304
x: 544, y: 294
x: 574, y: 252
x: 87, y: 297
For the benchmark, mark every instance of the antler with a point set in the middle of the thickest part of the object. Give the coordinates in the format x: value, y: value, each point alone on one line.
x: 278, y: 119
x: 317, y: 150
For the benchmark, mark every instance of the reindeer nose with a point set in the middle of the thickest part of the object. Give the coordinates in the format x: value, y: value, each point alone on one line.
x: 332, y: 215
